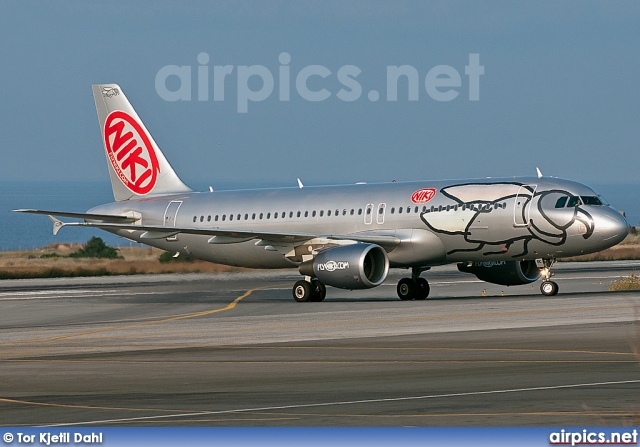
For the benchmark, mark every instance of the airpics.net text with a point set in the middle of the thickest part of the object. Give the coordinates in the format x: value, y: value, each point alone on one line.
x: 256, y: 83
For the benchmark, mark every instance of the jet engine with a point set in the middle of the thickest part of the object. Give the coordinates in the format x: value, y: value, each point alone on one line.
x: 357, y: 266
x: 505, y: 273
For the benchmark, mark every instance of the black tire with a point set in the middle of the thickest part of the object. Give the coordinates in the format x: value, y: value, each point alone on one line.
x: 423, y: 289
x: 302, y: 291
x: 319, y: 291
x: 549, y: 288
x: 407, y: 289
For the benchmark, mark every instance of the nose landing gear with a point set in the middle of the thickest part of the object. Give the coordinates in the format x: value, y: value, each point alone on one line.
x: 548, y: 287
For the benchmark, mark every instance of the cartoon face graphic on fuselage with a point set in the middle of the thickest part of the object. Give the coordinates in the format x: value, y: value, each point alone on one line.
x: 485, y: 220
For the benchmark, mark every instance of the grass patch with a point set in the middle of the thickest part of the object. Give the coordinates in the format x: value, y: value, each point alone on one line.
x: 54, y: 261
x: 631, y: 282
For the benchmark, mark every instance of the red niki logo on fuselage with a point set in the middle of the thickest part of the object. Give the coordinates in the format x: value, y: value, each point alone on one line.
x: 423, y: 195
x: 131, y: 153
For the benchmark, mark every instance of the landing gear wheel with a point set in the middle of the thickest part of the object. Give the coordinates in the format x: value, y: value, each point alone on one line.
x: 302, y: 291
x: 423, y: 289
x: 407, y: 289
x: 549, y: 288
x: 319, y: 291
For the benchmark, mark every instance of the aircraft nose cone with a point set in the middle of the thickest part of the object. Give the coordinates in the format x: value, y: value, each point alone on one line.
x: 612, y: 227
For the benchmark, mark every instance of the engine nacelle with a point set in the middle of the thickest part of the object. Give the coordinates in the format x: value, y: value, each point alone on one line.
x: 357, y: 266
x: 505, y: 273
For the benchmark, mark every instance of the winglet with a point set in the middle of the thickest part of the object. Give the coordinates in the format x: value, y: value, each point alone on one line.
x: 539, y: 172
x: 300, y: 185
x: 57, y: 224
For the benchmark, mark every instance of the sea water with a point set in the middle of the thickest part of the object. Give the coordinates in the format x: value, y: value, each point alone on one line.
x: 28, y: 231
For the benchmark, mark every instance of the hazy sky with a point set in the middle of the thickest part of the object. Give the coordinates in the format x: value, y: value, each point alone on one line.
x: 560, y: 88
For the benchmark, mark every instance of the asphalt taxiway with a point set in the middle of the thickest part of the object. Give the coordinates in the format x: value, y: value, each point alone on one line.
x: 235, y: 349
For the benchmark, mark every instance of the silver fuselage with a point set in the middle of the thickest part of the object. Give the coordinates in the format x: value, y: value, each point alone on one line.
x: 467, y: 220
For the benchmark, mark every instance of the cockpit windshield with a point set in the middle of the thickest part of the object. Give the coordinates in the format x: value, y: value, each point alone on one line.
x: 573, y: 201
x: 591, y: 200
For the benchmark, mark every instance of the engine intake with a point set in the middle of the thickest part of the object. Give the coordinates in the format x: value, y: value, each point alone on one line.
x: 505, y: 273
x: 357, y: 266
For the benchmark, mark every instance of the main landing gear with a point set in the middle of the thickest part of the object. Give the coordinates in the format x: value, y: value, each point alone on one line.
x: 548, y: 287
x: 309, y: 290
x: 414, y: 288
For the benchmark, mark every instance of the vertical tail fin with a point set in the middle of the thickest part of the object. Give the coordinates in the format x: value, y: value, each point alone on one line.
x: 137, y: 166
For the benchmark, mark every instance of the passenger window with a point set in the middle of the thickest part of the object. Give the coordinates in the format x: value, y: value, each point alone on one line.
x: 253, y: 216
x: 224, y: 217
x: 351, y: 211
x: 298, y: 214
x: 261, y: 216
x: 208, y: 218
x: 562, y: 201
x: 275, y: 215
x: 408, y: 209
x: 290, y: 214
x: 321, y: 213
x: 329, y: 213
x: 360, y: 212
x: 230, y: 216
x: 246, y: 217
x: 268, y: 215
x: 239, y: 216
x: 195, y: 218
x: 337, y: 212
x: 400, y: 210
x: 306, y: 214
x: 313, y: 213
x: 393, y: 210
x: 216, y: 218
x: 201, y: 218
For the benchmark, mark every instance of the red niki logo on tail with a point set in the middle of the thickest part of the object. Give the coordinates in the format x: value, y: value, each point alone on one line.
x: 130, y: 152
x: 423, y: 195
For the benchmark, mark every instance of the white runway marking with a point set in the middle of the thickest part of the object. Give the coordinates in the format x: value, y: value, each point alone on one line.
x: 351, y: 402
x: 73, y: 293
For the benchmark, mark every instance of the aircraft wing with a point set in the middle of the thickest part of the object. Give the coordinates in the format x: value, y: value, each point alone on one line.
x: 218, y: 236
x: 86, y: 216
x: 229, y: 236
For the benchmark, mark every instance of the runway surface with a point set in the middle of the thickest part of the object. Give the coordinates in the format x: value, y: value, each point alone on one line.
x: 235, y: 350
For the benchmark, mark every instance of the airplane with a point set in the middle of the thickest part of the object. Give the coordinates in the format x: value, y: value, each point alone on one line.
x: 507, y: 231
